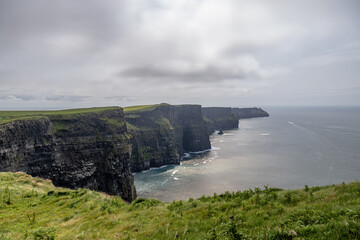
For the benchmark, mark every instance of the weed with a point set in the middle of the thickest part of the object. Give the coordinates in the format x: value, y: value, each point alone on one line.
x: 31, y: 217
x: 42, y: 233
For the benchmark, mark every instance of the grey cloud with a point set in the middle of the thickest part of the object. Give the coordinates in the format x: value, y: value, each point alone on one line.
x: 122, y: 98
x: 36, y: 97
x: 27, y: 19
x: 207, y: 74
x: 66, y: 98
x: 98, y: 52
x: 23, y: 97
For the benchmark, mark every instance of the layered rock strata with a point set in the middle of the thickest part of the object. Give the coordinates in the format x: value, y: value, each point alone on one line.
x: 162, y: 134
x: 219, y: 118
x: 89, y: 150
x: 254, y: 112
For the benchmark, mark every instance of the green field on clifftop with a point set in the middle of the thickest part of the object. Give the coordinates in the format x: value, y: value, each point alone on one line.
x: 142, y: 108
x: 32, y: 208
x: 8, y: 116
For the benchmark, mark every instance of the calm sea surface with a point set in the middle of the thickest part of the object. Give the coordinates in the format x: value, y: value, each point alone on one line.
x: 291, y: 148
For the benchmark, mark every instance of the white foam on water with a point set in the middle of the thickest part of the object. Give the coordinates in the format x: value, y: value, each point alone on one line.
x: 215, y: 148
x: 160, y: 167
x: 264, y: 134
x: 175, y: 178
x: 173, y: 172
x: 293, y: 124
x: 196, y: 164
x: 199, y: 152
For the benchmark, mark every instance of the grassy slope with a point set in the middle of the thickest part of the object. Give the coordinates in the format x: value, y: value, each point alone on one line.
x: 142, y: 108
x: 32, y: 207
x: 8, y: 116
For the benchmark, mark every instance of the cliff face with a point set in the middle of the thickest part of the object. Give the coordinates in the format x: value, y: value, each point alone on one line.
x: 161, y: 135
x: 79, y: 150
x: 219, y: 118
x: 240, y: 113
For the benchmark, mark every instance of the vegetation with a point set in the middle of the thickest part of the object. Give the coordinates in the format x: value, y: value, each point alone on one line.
x: 142, y: 108
x: 162, y: 121
x: 115, y: 122
x: 32, y: 208
x: 8, y: 116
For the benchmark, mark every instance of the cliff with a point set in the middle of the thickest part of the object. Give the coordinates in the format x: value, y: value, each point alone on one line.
x: 162, y: 133
x: 240, y: 113
x: 74, y: 148
x: 219, y: 118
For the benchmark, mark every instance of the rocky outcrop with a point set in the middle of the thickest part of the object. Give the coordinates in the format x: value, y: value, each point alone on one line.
x: 73, y: 150
x: 162, y: 134
x: 219, y: 118
x: 241, y: 113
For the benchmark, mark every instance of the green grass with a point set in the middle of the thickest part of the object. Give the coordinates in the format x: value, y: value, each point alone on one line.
x: 32, y: 208
x: 9, y: 116
x: 142, y: 108
x: 162, y: 121
x: 115, y: 122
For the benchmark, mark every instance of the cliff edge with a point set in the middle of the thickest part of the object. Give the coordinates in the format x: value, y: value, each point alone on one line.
x: 254, y: 112
x: 163, y: 133
x: 219, y: 118
x: 74, y: 148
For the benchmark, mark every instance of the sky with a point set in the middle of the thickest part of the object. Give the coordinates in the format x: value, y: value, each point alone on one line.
x: 73, y: 53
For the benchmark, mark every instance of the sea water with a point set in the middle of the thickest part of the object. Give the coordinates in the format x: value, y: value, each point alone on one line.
x: 292, y: 148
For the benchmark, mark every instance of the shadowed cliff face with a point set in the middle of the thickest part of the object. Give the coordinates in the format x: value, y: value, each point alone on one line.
x: 241, y: 113
x: 162, y: 135
x: 219, y: 118
x: 82, y: 150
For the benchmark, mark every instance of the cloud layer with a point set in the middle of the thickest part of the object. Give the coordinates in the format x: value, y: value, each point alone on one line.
x: 230, y: 52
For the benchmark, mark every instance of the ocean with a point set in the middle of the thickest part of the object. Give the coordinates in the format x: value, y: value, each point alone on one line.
x: 294, y: 147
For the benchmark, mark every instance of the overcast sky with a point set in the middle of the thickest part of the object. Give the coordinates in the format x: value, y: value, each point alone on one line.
x: 73, y: 53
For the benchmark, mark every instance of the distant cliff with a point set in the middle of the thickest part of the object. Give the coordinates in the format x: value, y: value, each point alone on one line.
x: 162, y: 133
x: 219, y: 118
x: 72, y: 148
x: 241, y: 113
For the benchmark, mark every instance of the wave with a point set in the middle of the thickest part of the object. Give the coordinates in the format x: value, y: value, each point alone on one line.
x: 242, y: 144
x: 173, y: 172
x: 200, y: 152
x: 293, y: 124
x: 154, y: 168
